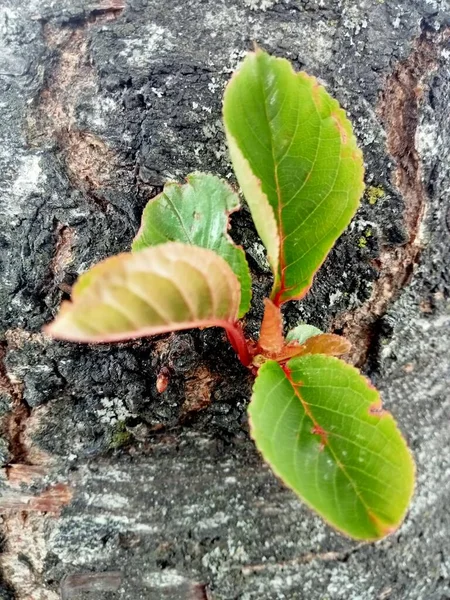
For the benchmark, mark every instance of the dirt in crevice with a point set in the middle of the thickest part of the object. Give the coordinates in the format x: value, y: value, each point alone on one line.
x: 25, y: 462
x: 398, y: 110
x: 62, y: 258
x: 198, y: 390
x: 305, y: 559
x: 89, y: 163
x: 22, y: 562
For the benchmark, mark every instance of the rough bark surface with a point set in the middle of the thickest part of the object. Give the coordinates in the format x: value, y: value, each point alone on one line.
x: 111, y: 490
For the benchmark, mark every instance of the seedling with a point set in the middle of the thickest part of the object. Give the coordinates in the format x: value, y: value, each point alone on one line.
x: 316, y: 420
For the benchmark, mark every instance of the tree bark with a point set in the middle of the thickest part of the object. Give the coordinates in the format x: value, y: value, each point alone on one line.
x: 112, y: 490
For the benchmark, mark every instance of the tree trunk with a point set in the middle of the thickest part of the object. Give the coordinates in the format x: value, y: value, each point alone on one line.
x: 108, y: 486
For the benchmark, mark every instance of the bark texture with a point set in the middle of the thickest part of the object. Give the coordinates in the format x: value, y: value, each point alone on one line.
x: 111, y: 490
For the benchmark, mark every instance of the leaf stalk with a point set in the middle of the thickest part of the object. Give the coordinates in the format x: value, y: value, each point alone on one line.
x: 237, y: 340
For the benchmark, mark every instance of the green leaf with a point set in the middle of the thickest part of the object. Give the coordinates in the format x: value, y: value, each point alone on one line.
x: 261, y: 210
x: 169, y: 287
x: 302, y: 332
x: 320, y: 425
x: 197, y: 213
x: 293, y: 151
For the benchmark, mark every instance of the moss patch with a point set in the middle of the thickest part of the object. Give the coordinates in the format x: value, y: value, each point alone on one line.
x: 120, y: 436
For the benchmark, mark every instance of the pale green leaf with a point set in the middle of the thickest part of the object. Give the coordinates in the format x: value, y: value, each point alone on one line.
x: 197, y: 213
x: 321, y: 427
x: 293, y: 150
x: 302, y: 332
x: 165, y: 288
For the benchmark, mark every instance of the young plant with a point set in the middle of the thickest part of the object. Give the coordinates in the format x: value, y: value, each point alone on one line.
x: 316, y: 420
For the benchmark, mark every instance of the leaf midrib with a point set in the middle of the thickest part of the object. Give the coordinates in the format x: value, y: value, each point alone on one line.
x: 180, y: 219
x: 281, y: 260
x: 282, y: 266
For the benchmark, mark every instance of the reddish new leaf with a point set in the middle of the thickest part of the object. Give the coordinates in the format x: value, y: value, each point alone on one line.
x: 325, y: 343
x: 271, y: 339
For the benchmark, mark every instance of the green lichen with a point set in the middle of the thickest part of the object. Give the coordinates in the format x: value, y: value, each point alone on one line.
x: 120, y: 436
x: 362, y: 242
x: 374, y: 194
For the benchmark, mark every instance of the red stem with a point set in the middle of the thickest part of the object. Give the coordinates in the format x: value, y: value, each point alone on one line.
x: 239, y: 343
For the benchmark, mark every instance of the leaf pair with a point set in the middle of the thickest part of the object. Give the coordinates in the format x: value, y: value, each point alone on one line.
x: 197, y: 214
x: 297, y: 162
x: 316, y: 421
x: 185, y: 272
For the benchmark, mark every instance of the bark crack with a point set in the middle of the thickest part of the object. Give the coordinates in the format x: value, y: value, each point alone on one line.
x: 14, y: 423
x: 304, y: 559
x: 88, y: 160
x: 398, y: 109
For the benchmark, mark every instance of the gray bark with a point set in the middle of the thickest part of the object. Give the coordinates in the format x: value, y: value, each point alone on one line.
x: 111, y: 490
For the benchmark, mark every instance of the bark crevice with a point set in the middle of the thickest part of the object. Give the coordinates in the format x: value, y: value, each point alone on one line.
x: 398, y: 110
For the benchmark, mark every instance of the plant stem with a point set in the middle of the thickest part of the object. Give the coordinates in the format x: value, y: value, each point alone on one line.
x: 239, y: 343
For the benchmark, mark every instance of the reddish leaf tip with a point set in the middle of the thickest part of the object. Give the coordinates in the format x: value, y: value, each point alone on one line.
x: 376, y: 408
